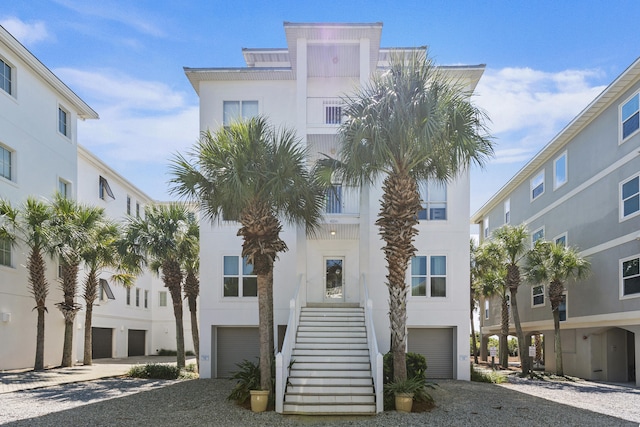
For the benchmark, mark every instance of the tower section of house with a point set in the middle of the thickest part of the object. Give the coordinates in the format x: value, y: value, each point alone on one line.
x: 38, y: 156
x: 302, y: 87
x: 582, y: 190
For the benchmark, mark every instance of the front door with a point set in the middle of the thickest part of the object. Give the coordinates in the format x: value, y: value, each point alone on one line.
x: 334, y: 279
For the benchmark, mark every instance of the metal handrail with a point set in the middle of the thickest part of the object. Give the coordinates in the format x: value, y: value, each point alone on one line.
x: 375, y: 357
x: 283, y: 358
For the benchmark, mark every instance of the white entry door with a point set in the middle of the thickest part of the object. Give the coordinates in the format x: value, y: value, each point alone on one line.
x: 334, y: 279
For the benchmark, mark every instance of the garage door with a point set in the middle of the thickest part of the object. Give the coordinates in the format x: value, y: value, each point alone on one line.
x: 235, y: 345
x: 101, y: 343
x: 136, y: 342
x: 437, y: 346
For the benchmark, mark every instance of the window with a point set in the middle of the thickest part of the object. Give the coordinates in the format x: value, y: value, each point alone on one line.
x: 630, y: 276
x: 5, y: 163
x: 63, y: 188
x: 537, y: 185
x: 6, y: 77
x: 63, y: 122
x: 332, y: 112
x: 629, y: 116
x: 239, y: 279
x: 630, y: 198
x: 333, y: 197
x: 104, y: 189
x: 507, y: 211
x: 537, y: 235
x: 128, y: 296
x: 435, y: 276
x: 163, y: 298
x: 560, y: 171
x: 105, y: 290
x: 486, y: 309
x: 485, y: 227
x: 562, y: 308
x: 5, y: 252
x: 561, y: 240
x: 238, y: 110
x: 146, y: 299
x: 137, y: 297
x: 128, y: 205
x: 433, y: 198
x: 537, y: 296
x: 137, y: 210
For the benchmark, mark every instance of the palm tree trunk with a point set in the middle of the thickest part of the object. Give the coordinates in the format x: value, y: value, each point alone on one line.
x: 264, y: 332
x: 69, y: 308
x: 473, y: 339
x: 504, y: 332
x: 39, y: 362
x: 177, y: 312
x: 555, y: 297
x: 39, y: 289
x: 523, y: 349
x: 90, y: 295
x: 195, y: 334
x: 397, y: 221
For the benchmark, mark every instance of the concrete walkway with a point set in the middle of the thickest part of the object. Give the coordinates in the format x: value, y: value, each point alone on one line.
x: 18, y: 380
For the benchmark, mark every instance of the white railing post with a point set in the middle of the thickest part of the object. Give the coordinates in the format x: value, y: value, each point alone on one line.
x: 375, y: 358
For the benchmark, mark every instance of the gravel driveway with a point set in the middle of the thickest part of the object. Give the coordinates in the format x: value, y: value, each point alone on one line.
x: 128, y: 402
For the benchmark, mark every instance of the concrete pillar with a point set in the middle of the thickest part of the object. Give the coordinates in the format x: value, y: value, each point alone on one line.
x: 484, y: 344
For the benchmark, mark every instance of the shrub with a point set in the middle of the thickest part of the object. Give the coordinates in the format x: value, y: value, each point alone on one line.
x: 416, y: 373
x: 155, y: 371
x: 486, y: 377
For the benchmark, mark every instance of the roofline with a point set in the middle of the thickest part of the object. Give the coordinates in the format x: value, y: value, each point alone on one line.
x: 83, y: 109
x: 332, y: 24
x: 602, y: 101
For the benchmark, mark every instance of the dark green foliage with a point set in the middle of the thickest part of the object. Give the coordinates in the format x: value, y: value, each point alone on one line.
x: 165, y: 352
x: 248, y: 376
x: 155, y: 371
x: 416, y: 380
x: 416, y: 366
x: 486, y: 377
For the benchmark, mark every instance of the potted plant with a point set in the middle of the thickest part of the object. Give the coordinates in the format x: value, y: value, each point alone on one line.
x: 259, y: 400
x: 404, y: 391
x: 248, y: 386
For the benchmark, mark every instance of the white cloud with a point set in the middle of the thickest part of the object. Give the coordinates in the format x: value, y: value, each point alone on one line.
x: 26, y: 32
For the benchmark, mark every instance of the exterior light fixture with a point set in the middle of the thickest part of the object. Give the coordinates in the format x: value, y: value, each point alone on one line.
x: 332, y: 232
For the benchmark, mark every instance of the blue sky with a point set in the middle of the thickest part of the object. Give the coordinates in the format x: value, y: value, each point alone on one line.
x: 546, y: 60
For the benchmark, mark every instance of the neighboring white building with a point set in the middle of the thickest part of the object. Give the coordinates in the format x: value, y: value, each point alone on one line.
x: 39, y: 155
x: 300, y: 87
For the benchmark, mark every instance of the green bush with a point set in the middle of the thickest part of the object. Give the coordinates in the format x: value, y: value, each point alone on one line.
x: 486, y: 377
x: 248, y: 376
x: 416, y: 366
x: 155, y: 371
x: 416, y: 374
x: 165, y: 352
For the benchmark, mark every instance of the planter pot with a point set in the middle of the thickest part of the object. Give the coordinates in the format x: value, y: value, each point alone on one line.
x: 404, y: 402
x: 259, y: 400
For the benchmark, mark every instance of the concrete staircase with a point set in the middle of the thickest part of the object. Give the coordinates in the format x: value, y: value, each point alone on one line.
x: 331, y: 373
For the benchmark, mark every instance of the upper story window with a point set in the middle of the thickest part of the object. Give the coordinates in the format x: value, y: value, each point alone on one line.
x: 63, y: 122
x: 537, y: 296
x: 238, y: 278
x: 435, y: 276
x: 537, y: 235
x: 486, y: 309
x: 630, y: 116
x: 630, y: 198
x: 137, y: 210
x: 128, y: 298
x: 6, y: 77
x: 562, y: 308
x: 6, y: 160
x: 333, y: 199
x: 560, y: 171
x: 485, y: 227
x: 630, y: 277
x: 162, y: 298
x: 146, y: 299
x: 5, y: 252
x: 128, y: 205
x: 332, y: 111
x: 433, y: 199
x: 104, y: 189
x: 105, y: 290
x: 63, y: 188
x: 507, y: 211
x: 537, y: 185
x: 238, y: 110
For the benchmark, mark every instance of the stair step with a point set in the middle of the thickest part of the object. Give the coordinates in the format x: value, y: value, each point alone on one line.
x: 328, y: 366
x: 330, y: 389
x: 332, y: 305
x: 330, y: 398
x: 329, y: 373
x: 331, y: 335
x: 330, y: 408
x: 331, y: 381
x: 356, y: 327
x: 315, y: 358
x: 331, y: 340
x: 329, y: 352
x: 331, y: 346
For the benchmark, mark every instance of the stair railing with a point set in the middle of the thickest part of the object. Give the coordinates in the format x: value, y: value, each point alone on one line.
x: 375, y: 358
x: 283, y: 358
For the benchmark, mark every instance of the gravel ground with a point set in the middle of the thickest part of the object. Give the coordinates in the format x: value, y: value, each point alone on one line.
x: 127, y: 402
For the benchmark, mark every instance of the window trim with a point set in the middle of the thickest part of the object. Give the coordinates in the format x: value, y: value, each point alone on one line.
x: 9, y: 251
x: 622, y: 296
x: 128, y: 208
x: 240, y: 276
x: 68, y: 186
x: 485, y: 227
x: 565, y: 293
x: 426, y: 202
x: 67, y: 123
x: 104, y: 189
x: 486, y: 309
x: 428, y: 278
x: 105, y: 290
x: 166, y: 299
x: 507, y: 211
x: 146, y: 299
x: 240, y: 116
x: 12, y: 161
x: 534, y: 295
x: 532, y: 188
x: 621, y: 138
x: 561, y: 235
x: 13, y: 81
x: 128, y: 296
x: 533, y: 242
x: 557, y: 185
x: 621, y: 201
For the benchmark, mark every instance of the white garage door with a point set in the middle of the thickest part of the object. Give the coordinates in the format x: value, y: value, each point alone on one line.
x: 437, y: 346
x: 233, y: 346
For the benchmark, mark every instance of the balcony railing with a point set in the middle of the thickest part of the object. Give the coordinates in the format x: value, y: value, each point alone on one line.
x: 325, y: 112
x: 342, y: 200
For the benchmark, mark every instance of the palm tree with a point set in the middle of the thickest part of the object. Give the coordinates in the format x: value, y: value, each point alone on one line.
x: 30, y: 225
x: 408, y: 124
x: 255, y: 174
x: 492, y: 281
x: 100, y: 254
x: 71, y: 226
x: 556, y: 264
x: 190, y: 257
x: 513, y: 241
x: 156, y: 238
x: 474, y: 295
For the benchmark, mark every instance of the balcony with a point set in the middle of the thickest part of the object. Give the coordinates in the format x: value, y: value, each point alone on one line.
x: 342, y: 205
x: 324, y: 113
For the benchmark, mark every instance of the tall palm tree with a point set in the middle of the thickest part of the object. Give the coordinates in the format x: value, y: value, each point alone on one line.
x: 492, y: 281
x: 156, y: 238
x: 190, y: 257
x: 556, y: 264
x: 257, y: 175
x: 474, y: 295
x: 513, y: 243
x: 408, y: 124
x: 101, y: 254
x: 71, y: 226
x: 30, y: 225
